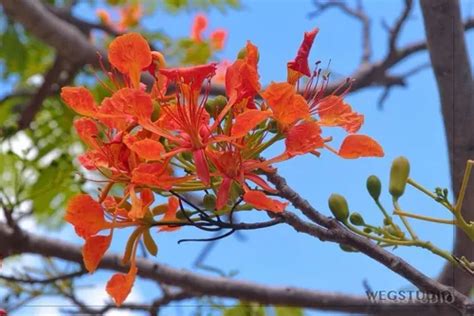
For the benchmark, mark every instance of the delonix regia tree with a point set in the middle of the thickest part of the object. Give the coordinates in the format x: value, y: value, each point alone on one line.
x: 172, y: 139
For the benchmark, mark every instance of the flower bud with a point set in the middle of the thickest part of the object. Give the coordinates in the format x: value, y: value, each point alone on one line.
x: 399, y: 176
x: 374, y: 187
x: 209, y: 202
x: 215, y: 106
x: 347, y: 248
x: 357, y: 219
x: 338, y: 206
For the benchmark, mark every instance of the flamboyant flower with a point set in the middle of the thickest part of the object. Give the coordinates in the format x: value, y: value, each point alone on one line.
x: 170, y: 138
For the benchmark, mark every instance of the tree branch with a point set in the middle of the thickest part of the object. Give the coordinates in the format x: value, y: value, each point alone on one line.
x: 213, y: 286
x: 449, y: 58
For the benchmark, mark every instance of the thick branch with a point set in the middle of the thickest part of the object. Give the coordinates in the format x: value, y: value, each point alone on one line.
x: 195, y: 283
x: 449, y: 58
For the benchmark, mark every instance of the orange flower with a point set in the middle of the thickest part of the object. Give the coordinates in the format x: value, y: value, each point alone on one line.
x: 129, y: 54
x: 356, y: 146
x: 260, y: 201
x: 86, y: 215
x: 198, y: 27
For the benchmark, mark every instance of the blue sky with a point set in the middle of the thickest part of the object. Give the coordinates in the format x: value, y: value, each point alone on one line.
x: 410, y: 124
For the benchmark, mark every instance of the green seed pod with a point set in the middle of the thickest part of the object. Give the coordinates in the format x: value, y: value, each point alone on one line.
x: 215, y: 106
x: 367, y: 230
x: 347, y: 248
x: 209, y: 202
x: 374, y: 186
x: 399, y: 176
x: 156, y: 111
x: 338, y: 206
x: 357, y: 219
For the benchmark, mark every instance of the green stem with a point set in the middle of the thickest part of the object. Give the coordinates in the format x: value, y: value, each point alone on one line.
x: 421, y: 188
x: 405, y: 221
x: 426, y: 218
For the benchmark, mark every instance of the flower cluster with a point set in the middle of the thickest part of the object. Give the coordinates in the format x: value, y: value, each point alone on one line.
x: 172, y: 137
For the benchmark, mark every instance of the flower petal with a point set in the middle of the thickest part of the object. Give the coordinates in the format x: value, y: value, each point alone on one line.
x: 147, y: 148
x: 170, y: 215
x: 333, y: 111
x: 87, y: 131
x: 202, y: 168
x: 120, y: 285
x: 287, y: 106
x: 223, y: 193
x: 356, y: 146
x: 247, y: 121
x: 80, y: 100
x: 93, y: 251
x: 299, y: 66
x: 303, y: 138
x: 86, y: 215
x: 242, y: 79
x: 130, y: 53
x: 262, y: 202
